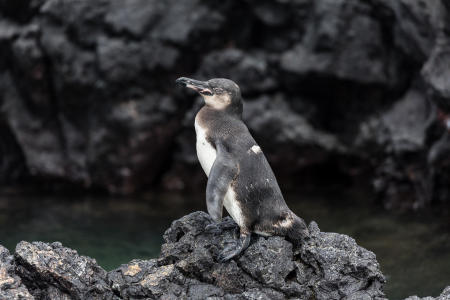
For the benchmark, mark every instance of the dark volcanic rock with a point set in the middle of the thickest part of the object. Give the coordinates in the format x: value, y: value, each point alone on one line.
x: 436, y: 74
x: 289, y: 140
x: 436, y: 71
x: 145, y: 14
x: 11, y: 286
x: 329, y: 266
x: 417, y: 26
x: 142, y: 279
x: 56, y: 272
x: 87, y: 89
x: 401, y: 179
x: 74, y: 95
x: 332, y: 266
x: 251, y: 70
x: 12, y: 164
x: 343, y: 33
x: 273, y: 120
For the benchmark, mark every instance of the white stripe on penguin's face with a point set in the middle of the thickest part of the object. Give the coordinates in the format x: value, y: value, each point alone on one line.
x: 217, y: 101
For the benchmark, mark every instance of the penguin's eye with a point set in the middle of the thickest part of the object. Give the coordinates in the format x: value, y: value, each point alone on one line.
x: 218, y: 91
x: 206, y: 92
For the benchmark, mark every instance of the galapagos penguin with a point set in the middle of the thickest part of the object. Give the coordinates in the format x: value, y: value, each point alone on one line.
x: 239, y: 176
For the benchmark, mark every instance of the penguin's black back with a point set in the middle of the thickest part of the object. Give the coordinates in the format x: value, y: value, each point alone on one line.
x: 255, y: 185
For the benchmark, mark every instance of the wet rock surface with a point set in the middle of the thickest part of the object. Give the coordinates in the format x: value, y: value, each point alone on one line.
x: 330, y: 266
x: 88, y: 98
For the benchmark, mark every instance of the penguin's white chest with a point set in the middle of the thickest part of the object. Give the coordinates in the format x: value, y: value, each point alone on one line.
x: 207, y: 155
x: 205, y: 152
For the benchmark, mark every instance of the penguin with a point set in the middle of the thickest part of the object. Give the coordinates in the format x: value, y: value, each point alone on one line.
x: 239, y: 175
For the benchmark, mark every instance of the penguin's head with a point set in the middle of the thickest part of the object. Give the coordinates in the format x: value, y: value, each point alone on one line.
x: 218, y: 93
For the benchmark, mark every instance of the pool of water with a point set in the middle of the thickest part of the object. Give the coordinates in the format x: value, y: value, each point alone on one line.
x: 413, y: 250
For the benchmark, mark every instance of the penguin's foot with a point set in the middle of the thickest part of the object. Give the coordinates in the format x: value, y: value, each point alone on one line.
x: 235, y: 248
x: 213, y: 228
x: 217, y: 228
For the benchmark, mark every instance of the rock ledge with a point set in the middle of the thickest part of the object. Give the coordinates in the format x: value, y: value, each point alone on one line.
x: 330, y: 266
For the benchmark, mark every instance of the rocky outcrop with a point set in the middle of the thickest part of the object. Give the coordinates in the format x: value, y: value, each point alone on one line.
x: 87, y: 89
x: 423, y: 166
x: 51, y: 270
x: 11, y: 286
x: 329, y: 266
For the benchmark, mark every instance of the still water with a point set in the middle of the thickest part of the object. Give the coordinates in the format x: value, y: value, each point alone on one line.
x: 413, y: 250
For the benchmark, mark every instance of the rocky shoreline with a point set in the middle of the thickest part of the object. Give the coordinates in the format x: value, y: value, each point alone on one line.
x: 330, y: 266
x: 332, y: 88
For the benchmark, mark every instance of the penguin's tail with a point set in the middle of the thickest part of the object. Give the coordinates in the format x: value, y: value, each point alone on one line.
x: 298, y: 232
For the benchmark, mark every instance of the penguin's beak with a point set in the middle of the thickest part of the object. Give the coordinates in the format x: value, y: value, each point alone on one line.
x: 201, y: 87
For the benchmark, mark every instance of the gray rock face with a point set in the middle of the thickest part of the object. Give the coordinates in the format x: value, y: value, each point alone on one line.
x: 87, y: 89
x: 51, y: 270
x: 436, y: 70
x: 70, y: 111
x: 251, y: 70
x: 330, y: 266
x: 11, y: 286
x: 327, y: 47
x: 416, y: 32
x: 402, y: 132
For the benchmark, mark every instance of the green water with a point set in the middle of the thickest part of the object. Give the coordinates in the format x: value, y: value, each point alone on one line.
x: 413, y: 250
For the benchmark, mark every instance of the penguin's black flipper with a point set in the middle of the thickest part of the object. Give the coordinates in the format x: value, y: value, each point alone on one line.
x: 222, y: 173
